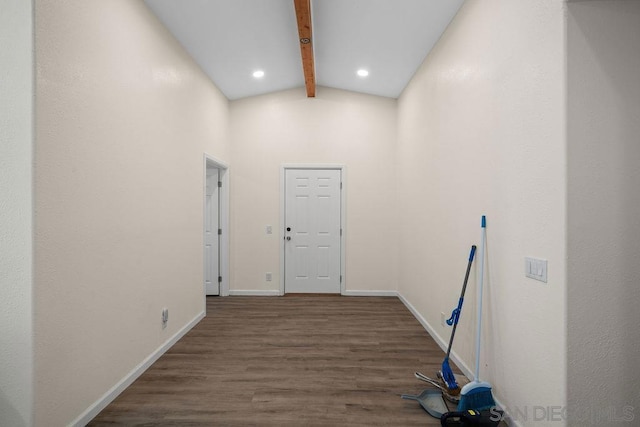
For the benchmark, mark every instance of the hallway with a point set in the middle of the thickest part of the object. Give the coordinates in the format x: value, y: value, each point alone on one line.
x: 298, y: 360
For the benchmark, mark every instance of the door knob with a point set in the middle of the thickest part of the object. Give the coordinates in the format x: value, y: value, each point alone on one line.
x: 288, y: 228
x: 288, y: 237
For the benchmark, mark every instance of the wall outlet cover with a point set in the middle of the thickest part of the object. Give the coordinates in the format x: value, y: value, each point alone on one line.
x: 536, y: 269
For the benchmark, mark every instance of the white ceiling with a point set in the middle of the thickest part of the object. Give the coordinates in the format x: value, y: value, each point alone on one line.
x: 230, y: 39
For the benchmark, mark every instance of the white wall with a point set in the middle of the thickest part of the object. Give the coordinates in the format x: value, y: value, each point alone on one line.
x: 604, y: 209
x: 16, y: 229
x: 123, y: 118
x: 358, y: 131
x: 481, y: 131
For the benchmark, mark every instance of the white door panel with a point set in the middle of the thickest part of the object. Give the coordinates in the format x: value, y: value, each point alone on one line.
x: 211, y: 238
x: 312, y: 236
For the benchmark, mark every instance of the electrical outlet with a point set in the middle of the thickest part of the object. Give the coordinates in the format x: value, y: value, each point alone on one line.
x: 443, y: 319
x: 165, y: 317
x: 269, y: 229
x: 268, y: 277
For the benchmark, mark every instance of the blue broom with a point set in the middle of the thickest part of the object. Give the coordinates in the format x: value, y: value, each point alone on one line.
x: 447, y: 374
x: 477, y: 394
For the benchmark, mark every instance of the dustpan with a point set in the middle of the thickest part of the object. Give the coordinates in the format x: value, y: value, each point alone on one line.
x: 431, y: 401
x: 441, y: 385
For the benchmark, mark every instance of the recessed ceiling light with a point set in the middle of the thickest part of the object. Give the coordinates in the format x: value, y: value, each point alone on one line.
x: 258, y: 74
x: 363, y: 73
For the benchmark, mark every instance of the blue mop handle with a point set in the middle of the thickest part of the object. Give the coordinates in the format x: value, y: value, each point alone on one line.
x: 455, y: 314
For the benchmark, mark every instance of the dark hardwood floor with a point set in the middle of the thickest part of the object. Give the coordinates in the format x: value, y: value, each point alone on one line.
x: 292, y: 361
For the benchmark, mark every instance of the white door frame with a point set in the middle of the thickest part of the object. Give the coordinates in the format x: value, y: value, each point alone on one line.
x: 343, y: 217
x: 223, y: 268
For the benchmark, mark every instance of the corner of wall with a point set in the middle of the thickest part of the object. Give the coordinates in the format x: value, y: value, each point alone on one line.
x: 481, y: 130
x: 16, y: 213
x: 603, y: 107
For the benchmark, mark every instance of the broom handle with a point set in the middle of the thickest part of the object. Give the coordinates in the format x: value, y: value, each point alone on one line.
x: 480, y: 286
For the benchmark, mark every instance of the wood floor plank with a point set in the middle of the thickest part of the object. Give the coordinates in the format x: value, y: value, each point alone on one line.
x: 300, y: 360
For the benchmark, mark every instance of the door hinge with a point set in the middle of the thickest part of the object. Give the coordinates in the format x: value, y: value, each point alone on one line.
x: 219, y: 231
x: 341, y: 231
x: 219, y: 279
x: 219, y: 184
x: 341, y: 185
x: 341, y: 278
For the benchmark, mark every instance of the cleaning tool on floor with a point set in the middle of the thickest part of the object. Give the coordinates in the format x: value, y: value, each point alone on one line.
x: 438, y: 383
x: 447, y: 374
x: 431, y: 401
x: 477, y: 394
x: 471, y: 417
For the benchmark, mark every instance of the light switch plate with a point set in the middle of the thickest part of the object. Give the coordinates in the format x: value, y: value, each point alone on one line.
x: 536, y: 268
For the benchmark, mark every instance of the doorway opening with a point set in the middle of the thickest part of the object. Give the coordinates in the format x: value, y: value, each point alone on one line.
x: 216, y: 227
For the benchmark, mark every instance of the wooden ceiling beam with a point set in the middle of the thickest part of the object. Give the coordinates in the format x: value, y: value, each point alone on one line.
x: 303, y: 15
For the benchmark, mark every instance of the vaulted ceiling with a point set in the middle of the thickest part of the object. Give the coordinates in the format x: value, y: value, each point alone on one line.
x: 231, y: 39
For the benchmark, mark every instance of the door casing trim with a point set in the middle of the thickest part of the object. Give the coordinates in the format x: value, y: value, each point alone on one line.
x: 224, y: 221
x: 343, y: 216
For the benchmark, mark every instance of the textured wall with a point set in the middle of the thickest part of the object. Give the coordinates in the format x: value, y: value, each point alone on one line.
x: 358, y: 131
x: 481, y: 131
x: 16, y: 249
x: 604, y: 211
x: 123, y: 119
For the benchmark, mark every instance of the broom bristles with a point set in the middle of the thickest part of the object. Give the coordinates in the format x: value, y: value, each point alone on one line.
x: 477, y: 396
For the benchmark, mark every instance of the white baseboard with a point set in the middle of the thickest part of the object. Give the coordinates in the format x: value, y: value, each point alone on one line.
x: 437, y: 338
x: 456, y: 359
x: 254, y: 293
x: 357, y: 293
x: 109, y: 396
x: 506, y: 417
x: 354, y: 293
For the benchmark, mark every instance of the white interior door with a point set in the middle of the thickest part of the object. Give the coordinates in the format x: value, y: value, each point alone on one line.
x: 312, y: 230
x: 211, y: 237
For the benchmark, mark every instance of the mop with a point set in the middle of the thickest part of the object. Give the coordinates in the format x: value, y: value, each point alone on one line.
x: 447, y: 374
